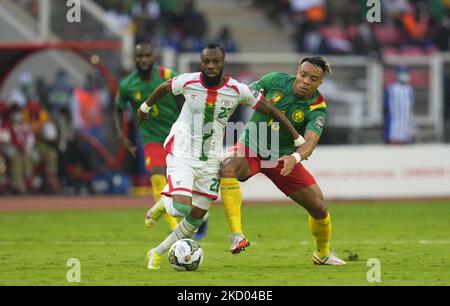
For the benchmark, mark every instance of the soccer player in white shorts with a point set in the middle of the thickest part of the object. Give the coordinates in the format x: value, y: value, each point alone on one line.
x: 194, y: 143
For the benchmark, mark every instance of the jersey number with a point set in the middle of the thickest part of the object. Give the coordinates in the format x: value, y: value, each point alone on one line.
x: 215, y: 185
x: 224, y: 111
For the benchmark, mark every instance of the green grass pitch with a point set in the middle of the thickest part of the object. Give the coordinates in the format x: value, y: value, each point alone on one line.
x: 411, y: 240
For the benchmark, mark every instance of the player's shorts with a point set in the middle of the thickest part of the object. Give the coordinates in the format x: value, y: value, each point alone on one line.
x: 183, y: 178
x: 155, y: 155
x: 299, y: 177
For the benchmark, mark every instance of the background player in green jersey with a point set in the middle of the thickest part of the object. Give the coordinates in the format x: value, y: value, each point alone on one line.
x: 297, y: 96
x: 135, y: 89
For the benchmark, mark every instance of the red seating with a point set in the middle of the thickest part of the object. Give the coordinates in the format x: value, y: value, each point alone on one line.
x: 387, y: 34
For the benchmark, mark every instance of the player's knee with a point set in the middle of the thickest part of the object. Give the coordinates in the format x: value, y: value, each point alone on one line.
x: 157, y: 171
x: 319, y: 210
x: 198, y: 213
x: 228, y: 169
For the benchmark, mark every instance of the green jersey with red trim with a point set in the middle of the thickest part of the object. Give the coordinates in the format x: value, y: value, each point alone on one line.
x: 304, y: 115
x: 163, y: 114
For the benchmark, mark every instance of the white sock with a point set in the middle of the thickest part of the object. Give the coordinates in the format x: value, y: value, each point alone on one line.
x: 183, y: 230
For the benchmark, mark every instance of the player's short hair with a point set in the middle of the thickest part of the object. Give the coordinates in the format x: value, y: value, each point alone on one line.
x: 144, y: 44
x: 215, y: 46
x: 320, y: 62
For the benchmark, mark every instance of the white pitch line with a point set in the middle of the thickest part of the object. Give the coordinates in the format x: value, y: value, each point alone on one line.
x: 434, y: 241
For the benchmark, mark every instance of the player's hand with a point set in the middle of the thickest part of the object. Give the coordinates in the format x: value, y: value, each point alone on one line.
x: 129, y: 145
x: 141, y: 116
x: 289, y: 163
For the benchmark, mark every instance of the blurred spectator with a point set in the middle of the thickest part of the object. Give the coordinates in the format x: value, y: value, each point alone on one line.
x: 195, y: 21
x: 87, y: 106
x: 447, y: 105
x: 45, y: 135
x: 41, y: 91
x: 21, y: 152
x: 145, y: 15
x: 313, y: 11
x: 24, y: 90
x: 443, y: 34
x: 48, y: 153
x: 59, y: 93
x: 75, y: 167
x: 416, y: 23
x: 226, y: 40
x: 310, y: 40
x: 398, y: 109
x: 195, y: 28
x: 365, y: 43
x: 5, y: 144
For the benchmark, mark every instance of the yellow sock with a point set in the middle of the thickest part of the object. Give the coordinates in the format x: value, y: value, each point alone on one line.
x: 158, y: 182
x: 321, y: 230
x: 232, y: 201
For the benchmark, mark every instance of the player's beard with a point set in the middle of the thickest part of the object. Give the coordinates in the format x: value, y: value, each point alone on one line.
x: 212, y: 81
x: 144, y: 72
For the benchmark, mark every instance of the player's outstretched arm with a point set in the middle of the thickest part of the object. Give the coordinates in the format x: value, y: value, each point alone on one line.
x: 268, y: 108
x: 158, y: 93
x: 302, y: 153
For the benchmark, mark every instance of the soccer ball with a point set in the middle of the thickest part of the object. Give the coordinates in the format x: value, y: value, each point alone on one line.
x: 186, y: 255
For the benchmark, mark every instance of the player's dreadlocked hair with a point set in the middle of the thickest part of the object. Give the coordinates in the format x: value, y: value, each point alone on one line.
x: 320, y: 62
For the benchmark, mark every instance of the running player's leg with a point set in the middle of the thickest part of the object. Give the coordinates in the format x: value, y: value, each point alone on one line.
x: 234, y: 168
x: 311, y: 198
x: 178, y: 200
x: 301, y: 186
x: 155, y: 163
x: 185, y: 229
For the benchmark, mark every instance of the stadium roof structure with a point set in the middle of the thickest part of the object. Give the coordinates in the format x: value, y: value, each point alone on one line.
x: 12, y: 54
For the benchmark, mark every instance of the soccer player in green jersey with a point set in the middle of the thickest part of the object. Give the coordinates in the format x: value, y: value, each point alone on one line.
x: 299, y: 99
x: 135, y: 89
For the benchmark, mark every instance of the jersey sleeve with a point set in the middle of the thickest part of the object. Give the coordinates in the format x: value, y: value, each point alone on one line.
x: 249, y: 97
x: 178, y: 82
x: 264, y: 82
x: 316, y: 121
x: 121, y: 97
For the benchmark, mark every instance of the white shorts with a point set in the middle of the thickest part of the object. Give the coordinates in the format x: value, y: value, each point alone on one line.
x: 196, y: 181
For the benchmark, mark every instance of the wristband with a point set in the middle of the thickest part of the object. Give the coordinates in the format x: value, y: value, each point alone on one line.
x: 297, y: 156
x: 299, y: 141
x: 145, y: 108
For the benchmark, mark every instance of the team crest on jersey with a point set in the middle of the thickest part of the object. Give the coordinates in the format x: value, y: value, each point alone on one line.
x: 277, y: 97
x: 298, y: 116
x: 137, y: 96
